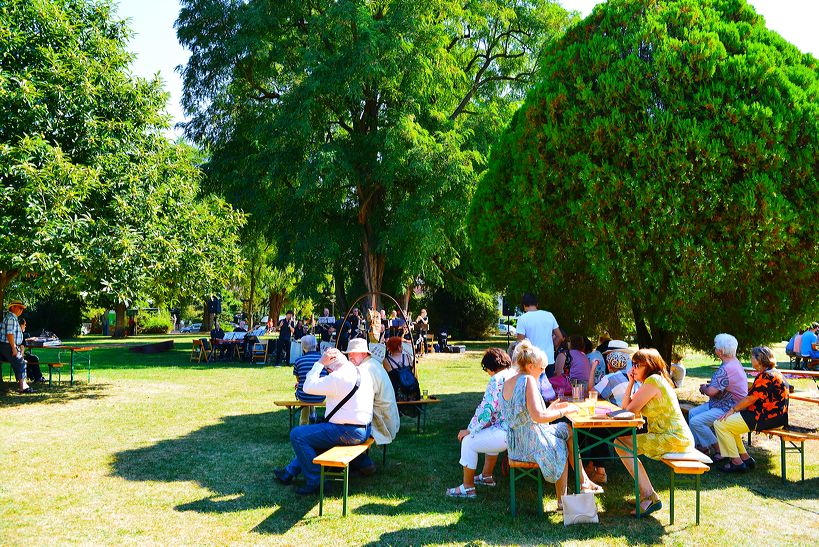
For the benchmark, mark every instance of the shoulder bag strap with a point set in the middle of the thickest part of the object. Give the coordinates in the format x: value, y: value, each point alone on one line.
x: 347, y: 398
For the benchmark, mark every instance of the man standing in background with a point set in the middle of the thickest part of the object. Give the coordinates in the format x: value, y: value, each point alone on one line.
x: 541, y: 328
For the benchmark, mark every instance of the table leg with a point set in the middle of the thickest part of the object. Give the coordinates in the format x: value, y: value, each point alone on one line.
x: 576, y: 457
x: 636, y: 469
x: 290, y: 411
x: 321, y: 492
x: 72, y: 367
x: 671, y: 498
x: 697, y: 485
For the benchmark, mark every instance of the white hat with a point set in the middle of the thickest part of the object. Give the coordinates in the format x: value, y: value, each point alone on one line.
x: 617, y: 345
x: 357, y: 345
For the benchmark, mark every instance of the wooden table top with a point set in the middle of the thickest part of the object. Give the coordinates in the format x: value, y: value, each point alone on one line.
x: 790, y: 372
x: 806, y: 396
x: 584, y: 421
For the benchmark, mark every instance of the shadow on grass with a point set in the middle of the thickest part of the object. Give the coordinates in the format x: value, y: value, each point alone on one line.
x: 54, y: 394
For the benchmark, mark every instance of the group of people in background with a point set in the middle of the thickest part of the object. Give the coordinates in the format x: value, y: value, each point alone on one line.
x: 803, y: 347
x: 522, y: 411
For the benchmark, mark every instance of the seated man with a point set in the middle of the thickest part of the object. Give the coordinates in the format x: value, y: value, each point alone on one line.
x: 808, y: 346
x: 11, y: 340
x: 303, y: 365
x: 612, y: 386
x: 218, y: 334
x: 348, y: 421
x: 386, y: 419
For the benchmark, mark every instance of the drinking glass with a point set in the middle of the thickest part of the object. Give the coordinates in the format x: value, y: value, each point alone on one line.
x: 425, y: 394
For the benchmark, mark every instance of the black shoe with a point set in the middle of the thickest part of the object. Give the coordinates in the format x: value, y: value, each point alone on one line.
x: 41, y: 380
x: 29, y: 389
x: 282, y: 476
x: 307, y: 490
x: 367, y: 471
x: 731, y: 467
x: 750, y: 463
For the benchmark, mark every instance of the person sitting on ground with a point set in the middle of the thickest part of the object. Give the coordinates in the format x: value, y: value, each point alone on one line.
x: 532, y: 437
x: 11, y: 349
x: 32, y: 361
x: 676, y: 370
x: 765, y: 407
x: 728, y: 386
x: 304, y: 365
x: 395, y: 361
x: 348, y: 424
x: 386, y: 420
x: 579, y: 367
x: 486, y: 433
x: 667, y: 430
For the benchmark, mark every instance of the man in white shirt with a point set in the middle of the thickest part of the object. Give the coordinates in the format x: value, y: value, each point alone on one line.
x: 348, y: 423
x: 540, y: 327
x: 386, y: 419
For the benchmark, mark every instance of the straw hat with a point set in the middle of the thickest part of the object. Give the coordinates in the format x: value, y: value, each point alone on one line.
x: 16, y: 303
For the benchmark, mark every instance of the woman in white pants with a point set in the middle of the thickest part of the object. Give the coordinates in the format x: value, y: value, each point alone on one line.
x: 486, y: 433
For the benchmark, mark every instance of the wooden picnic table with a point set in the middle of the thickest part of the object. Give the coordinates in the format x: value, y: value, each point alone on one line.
x: 421, y: 405
x: 806, y: 396
x: 588, y: 419
x: 73, y: 350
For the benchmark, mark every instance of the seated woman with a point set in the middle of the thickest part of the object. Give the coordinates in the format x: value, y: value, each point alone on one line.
x: 531, y: 436
x: 727, y: 387
x: 399, y: 368
x: 579, y: 366
x: 563, y: 357
x: 667, y: 430
x: 486, y: 433
x: 765, y: 407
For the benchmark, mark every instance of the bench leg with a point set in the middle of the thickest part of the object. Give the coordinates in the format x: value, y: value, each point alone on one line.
x: 384, y: 455
x: 783, y: 459
x: 321, y: 492
x: 697, y: 484
x: 346, y: 477
x: 540, y: 491
x: 49, y: 376
x: 671, y: 498
x: 512, y: 490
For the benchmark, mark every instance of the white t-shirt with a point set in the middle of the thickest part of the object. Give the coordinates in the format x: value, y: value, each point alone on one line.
x: 537, y: 326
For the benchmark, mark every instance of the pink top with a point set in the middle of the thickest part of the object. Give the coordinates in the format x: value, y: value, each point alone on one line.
x: 732, y: 382
x: 580, y: 366
x: 797, y: 344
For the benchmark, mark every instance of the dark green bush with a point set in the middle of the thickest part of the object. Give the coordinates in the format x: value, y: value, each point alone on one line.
x: 60, y: 314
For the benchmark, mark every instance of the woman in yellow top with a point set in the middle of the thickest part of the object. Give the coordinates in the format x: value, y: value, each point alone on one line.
x: 667, y: 430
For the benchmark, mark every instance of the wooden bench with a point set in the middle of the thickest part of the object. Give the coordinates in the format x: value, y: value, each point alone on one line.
x: 685, y: 467
x: 422, y: 405
x: 339, y: 457
x: 526, y: 469
x: 797, y: 442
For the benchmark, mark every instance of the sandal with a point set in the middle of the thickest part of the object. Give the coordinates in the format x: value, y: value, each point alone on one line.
x: 750, y: 463
x: 487, y: 480
x: 27, y: 390
x: 731, y: 467
x: 654, y: 505
x: 461, y: 492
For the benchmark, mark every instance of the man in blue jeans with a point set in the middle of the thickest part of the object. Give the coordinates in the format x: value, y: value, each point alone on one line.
x: 349, y: 424
x: 809, y: 342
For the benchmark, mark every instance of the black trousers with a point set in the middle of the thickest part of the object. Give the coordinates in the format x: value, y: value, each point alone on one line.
x: 283, y: 346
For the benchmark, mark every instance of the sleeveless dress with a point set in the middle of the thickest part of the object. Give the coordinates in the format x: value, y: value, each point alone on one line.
x: 667, y: 430
x: 544, y: 444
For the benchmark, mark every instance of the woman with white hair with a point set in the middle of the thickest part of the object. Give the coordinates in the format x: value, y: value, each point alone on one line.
x: 532, y: 435
x: 727, y: 387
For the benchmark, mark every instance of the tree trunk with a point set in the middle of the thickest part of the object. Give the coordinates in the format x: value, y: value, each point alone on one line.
x: 340, y: 292
x: 643, y: 335
x: 5, y: 280
x: 275, y: 306
x: 206, y: 318
x: 663, y: 342
x: 405, y: 301
x: 120, y: 329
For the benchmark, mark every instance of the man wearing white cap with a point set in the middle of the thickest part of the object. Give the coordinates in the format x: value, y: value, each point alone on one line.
x: 11, y: 339
x: 386, y: 419
x: 348, y: 418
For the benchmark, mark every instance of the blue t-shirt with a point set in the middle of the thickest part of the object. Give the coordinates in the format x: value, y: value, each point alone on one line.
x: 808, y: 339
x: 301, y: 367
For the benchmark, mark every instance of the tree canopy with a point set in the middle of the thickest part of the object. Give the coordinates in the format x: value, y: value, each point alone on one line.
x: 352, y: 131
x: 666, y: 164
x: 93, y: 197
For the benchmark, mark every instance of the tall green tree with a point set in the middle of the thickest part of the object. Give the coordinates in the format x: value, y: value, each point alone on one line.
x: 93, y: 198
x: 665, y: 165
x: 358, y: 127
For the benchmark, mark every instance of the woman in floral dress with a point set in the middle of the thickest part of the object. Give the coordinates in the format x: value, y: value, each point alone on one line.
x: 486, y: 433
x: 532, y: 437
x: 667, y: 430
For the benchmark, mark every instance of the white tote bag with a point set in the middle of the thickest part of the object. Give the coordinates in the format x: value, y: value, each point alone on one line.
x: 579, y: 508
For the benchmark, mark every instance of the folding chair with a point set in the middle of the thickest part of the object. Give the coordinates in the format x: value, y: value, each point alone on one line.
x: 207, y: 350
x: 196, y: 351
x: 259, y: 355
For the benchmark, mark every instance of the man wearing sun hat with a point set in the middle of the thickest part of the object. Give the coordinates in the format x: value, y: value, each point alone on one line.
x: 11, y: 339
x: 349, y: 400
x: 386, y: 419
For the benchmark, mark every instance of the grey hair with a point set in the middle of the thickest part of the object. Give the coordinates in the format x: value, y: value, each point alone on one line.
x: 726, y: 344
x: 764, y: 355
x: 308, y: 343
x: 526, y: 353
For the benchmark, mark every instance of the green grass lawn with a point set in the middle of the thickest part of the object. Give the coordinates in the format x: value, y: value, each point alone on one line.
x: 156, y: 450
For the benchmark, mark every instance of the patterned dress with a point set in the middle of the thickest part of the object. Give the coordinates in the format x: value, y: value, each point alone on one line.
x: 667, y: 430
x: 544, y: 444
x: 489, y: 414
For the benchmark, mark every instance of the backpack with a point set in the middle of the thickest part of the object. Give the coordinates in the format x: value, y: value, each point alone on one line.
x: 406, y: 387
